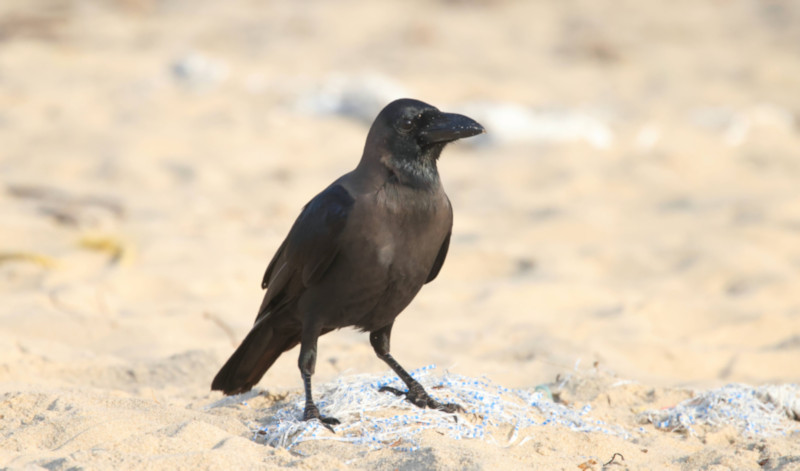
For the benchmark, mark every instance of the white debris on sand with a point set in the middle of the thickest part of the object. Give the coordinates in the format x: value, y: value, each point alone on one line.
x: 199, y: 71
x: 512, y: 123
x: 354, y: 96
x: 769, y: 410
x: 504, y: 416
x: 361, y: 407
x: 362, y: 96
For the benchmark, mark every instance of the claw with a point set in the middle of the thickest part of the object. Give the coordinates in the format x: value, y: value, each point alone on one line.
x: 313, y: 413
x: 392, y: 390
x: 421, y: 399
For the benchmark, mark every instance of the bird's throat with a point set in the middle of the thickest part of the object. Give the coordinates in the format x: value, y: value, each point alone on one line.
x: 418, y: 173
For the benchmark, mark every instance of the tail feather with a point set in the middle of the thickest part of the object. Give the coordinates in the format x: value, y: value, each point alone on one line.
x: 257, y: 352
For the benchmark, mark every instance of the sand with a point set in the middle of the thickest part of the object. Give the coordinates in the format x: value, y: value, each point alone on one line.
x: 628, y: 233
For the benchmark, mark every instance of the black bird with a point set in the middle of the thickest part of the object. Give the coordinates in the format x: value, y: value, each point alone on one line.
x: 358, y: 253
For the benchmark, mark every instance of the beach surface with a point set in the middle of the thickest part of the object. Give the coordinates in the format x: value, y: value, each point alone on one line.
x: 626, y: 236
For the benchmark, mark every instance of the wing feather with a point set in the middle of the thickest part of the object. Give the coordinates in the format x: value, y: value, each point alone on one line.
x: 309, y: 249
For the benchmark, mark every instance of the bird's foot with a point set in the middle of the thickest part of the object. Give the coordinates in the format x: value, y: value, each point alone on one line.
x: 312, y: 412
x: 421, y: 399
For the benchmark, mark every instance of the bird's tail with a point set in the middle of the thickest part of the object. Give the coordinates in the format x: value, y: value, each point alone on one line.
x: 257, y: 352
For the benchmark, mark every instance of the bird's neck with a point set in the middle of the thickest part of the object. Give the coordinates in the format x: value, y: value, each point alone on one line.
x: 418, y: 173
x: 384, y: 167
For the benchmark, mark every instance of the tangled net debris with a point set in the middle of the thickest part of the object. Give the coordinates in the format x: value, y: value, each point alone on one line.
x: 754, y: 411
x: 379, y: 420
x: 506, y: 416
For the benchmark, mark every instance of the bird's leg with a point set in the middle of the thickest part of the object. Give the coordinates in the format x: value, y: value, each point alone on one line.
x: 307, y: 361
x: 416, y: 393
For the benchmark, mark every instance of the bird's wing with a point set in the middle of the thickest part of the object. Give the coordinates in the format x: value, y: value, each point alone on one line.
x: 313, y: 241
x: 310, y: 247
x: 276, y: 259
x: 437, y: 264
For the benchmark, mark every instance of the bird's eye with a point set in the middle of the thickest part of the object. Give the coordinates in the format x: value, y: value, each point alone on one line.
x: 405, y: 125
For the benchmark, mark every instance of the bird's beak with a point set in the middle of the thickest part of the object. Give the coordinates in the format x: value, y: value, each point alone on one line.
x: 447, y: 127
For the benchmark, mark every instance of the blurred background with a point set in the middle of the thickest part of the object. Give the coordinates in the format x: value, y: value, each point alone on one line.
x: 634, y: 207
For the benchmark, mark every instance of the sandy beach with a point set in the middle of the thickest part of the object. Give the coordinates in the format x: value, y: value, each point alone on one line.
x: 622, y: 289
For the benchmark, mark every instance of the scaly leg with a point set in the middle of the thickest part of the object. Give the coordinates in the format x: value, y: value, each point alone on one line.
x: 416, y: 393
x: 306, y: 362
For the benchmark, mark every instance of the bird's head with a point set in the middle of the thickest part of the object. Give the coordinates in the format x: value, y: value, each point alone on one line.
x: 408, y: 136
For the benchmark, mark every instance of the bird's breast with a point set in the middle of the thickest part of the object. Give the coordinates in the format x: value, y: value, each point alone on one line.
x: 385, y: 254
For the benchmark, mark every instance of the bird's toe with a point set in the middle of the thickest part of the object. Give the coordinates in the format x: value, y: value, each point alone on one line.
x: 392, y: 390
x: 329, y: 420
x: 450, y: 407
x: 313, y: 413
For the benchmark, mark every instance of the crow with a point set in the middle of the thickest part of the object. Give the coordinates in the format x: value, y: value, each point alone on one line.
x: 358, y: 253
